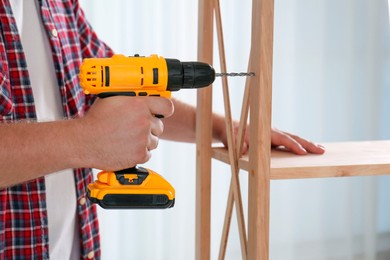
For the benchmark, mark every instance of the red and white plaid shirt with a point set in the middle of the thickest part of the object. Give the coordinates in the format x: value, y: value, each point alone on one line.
x: 23, y: 215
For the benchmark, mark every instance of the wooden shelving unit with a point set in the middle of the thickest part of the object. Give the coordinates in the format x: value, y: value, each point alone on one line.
x: 343, y: 159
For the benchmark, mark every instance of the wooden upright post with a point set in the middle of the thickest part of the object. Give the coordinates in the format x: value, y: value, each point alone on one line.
x: 204, y: 135
x: 260, y: 129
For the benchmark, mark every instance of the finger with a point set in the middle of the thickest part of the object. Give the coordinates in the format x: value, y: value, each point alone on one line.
x: 153, y: 142
x: 283, y: 139
x: 157, y: 126
x: 245, y: 148
x: 309, y: 146
x: 146, y: 158
x: 246, y: 141
x: 162, y: 107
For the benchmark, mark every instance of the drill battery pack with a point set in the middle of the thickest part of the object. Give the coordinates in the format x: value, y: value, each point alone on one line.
x: 133, y: 188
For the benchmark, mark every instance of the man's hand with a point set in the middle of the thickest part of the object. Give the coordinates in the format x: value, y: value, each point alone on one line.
x: 284, y: 140
x: 294, y: 144
x: 120, y: 132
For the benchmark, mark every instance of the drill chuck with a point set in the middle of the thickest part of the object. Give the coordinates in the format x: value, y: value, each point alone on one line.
x: 188, y: 74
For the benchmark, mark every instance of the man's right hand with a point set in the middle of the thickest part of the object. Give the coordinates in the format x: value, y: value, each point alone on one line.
x: 119, y: 132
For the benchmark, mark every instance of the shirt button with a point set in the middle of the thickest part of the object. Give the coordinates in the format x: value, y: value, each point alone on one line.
x: 82, y: 201
x: 91, y: 255
x: 54, y: 33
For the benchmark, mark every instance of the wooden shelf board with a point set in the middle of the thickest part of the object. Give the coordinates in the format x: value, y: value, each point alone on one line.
x: 343, y: 159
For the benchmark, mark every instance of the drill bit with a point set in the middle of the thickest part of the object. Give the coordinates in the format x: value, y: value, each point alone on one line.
x: 235, y: 74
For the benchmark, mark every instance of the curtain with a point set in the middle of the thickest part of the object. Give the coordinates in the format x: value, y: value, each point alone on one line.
x: 331, y: 82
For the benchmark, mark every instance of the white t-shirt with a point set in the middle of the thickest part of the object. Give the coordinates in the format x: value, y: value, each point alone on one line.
x: 64, y: 241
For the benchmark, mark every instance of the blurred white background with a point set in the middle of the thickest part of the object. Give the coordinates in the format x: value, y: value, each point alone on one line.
x: 331, y: 83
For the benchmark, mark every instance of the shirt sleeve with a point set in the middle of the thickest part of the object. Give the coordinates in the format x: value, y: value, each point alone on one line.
x: 91, y: 45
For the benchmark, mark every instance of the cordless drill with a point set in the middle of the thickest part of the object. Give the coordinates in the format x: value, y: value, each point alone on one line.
x: 138, y: 187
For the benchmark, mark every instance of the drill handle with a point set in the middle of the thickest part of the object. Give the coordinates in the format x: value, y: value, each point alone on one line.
x: 113, y: 94
x: 149, y: 93
x: 129, y: 94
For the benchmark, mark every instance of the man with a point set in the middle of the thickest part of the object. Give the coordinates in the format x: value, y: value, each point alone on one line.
x: 49, y: 142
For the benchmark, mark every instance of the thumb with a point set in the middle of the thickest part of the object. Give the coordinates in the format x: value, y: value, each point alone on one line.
x: 245, y: 148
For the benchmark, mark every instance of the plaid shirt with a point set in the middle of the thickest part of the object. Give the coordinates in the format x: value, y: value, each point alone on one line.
x: 23, y: 215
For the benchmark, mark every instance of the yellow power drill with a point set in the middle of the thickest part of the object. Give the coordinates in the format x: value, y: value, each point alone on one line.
x: 138, y: 187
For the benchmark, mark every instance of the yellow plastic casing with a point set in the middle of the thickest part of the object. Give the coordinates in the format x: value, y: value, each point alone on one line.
x: 135, y: 75
x: 108, y: 184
